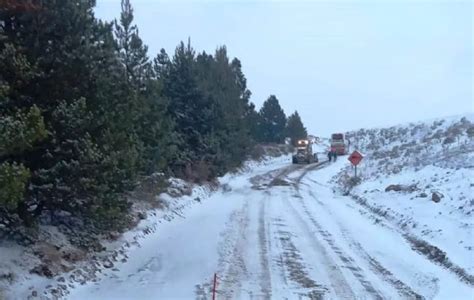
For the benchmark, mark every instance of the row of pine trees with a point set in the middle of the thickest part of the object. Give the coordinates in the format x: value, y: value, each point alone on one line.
x: 84, y: 112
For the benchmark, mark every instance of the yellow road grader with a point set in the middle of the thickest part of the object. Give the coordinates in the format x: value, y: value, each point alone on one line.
x: 304, y: 153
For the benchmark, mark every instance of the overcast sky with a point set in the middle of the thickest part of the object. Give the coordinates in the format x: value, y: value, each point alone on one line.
x: 342, y: 65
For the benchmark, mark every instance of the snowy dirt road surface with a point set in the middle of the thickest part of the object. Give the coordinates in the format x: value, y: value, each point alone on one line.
x: 279, y: 231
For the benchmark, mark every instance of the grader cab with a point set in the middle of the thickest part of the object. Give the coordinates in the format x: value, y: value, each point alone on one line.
x: 304, y: 153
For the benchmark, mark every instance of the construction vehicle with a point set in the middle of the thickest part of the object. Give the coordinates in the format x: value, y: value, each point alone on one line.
x: 304, y: 153
x: 338, y: 144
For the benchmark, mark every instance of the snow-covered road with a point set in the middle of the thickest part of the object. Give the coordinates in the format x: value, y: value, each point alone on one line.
x: 277, y: 232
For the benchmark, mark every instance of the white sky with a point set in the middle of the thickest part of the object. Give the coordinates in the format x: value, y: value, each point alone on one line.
x: 342, y: 64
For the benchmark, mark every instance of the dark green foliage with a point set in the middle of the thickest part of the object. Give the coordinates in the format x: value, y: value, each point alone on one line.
x: 272, y: 121
x: 224, y: 86
x: 65, y: 96
x: 254, y: 123
x: 189, y: 108
x: 295, y: 128
x: 209, y: 103
x: 13, y: 180
x: 84, y: 113
x: 21, y: 130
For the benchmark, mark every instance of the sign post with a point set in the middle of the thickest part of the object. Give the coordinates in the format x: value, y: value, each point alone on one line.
x: 355, y: 159
x: 214, y: 287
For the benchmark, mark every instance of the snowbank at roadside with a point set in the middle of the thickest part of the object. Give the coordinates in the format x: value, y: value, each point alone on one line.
x: 16, y: 262
x: 447, y: 224
x: 421, y: 177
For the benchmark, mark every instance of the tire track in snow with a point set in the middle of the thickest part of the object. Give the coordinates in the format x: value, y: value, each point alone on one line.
x: 293, y: 265
x: 277, y: 177
x: 268, y: 179
x: 265, y: 277
x: 376, y: 267
x: 423, y: 247
x: 309, y: 169
x: 349, y: 262
x: 289, y: 259
x: 340, y: 286
x: 231, y: 265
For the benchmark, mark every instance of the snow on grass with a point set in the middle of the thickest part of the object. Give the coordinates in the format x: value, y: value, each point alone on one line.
x: 448, y: 224
x: 435, y: 157
x: 360, y: 234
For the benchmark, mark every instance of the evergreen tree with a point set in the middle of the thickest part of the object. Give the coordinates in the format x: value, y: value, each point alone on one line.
x: 223, y: 83
x: 148, y: 107
x: 189, y: 109
x: 21, y: 128
x: 243, y: 139
x: 253, y: 122
x: 75, y: 91
x: 295, y: 128
x: 133, y: 52
x: 84, y: 112
x: 272, y: 121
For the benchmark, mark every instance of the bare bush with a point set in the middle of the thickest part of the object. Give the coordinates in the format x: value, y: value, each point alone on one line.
x: 470, y: 132
x: 454, y: 130
x: 257, y: 152
x: 394, y: 153
x: 449, y: 140
x: 198, y: 172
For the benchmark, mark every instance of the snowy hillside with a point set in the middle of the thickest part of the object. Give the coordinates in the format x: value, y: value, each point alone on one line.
x: 443, y: 143
x: 420, y: 177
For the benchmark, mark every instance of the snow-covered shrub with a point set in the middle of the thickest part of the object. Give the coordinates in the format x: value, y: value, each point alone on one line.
x: 448, y: 140
x: 470, y: 131
x: 13, y: 182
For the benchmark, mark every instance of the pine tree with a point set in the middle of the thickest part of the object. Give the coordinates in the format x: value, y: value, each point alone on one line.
x: 84, y: 112
x: 223, y: 83
x: 253, y: 121
x: 188, y: 108
x: 150, y: 123
x: 295, y: 128
x: 272, y: 121
x: 76, y: 89
x: 22, y: 125
x: 133, y: 52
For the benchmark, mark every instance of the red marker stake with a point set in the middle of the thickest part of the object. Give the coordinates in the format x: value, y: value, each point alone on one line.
x: 214, y: 287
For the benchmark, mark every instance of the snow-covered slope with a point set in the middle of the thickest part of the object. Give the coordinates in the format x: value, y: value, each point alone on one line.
x: 443, y: 143
x: 134, y: 247
x: 421, y: 177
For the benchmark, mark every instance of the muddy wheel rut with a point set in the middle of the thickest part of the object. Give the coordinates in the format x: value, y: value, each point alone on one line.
x: 339, y: 284
x: 295, y: 267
